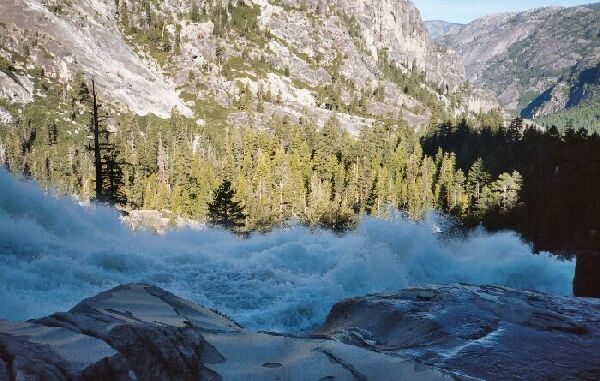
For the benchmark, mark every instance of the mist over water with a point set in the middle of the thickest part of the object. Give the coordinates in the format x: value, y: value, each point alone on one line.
x: 53, y: 253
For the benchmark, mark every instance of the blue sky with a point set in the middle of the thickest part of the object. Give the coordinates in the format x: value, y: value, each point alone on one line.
x: 465, y: 11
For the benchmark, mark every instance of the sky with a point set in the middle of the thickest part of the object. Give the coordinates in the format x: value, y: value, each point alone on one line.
x: 464, y: 11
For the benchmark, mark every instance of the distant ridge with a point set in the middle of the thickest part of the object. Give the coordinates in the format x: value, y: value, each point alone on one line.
x: 438, y: 28
x: 540, y: 63
x: 594, y: 6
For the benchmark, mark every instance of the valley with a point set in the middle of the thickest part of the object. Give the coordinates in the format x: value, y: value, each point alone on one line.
x: 542, y: 64
x: 334, y: 189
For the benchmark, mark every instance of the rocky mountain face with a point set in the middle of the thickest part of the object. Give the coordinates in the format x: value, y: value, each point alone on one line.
x: 438, y: 28
x: 236, y: 61
x: 396, y: 26
x: 140, y: 332
x: 455, y: 332
x: 490, y: 333
x: 63, y: 41
x: 538, y: 62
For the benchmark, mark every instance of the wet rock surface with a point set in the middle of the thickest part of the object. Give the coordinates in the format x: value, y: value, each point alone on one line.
x: 140, y: 332
x: 484, y: 332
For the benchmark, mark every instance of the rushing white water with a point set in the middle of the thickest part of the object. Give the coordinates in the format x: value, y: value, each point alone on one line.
x: 53, y: 253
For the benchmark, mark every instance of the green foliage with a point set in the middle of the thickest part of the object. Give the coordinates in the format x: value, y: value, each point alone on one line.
x: 233, y: 67
x: 6, y: 65
x: 195, y: 13
x: 526, y: 99
x: 239, y: 18
x: 59, y: 7
x: 123, y: 15
x: 585, y: 115
x: 156, y: 41
x: 285, y: 172
x: 285, y: 5
x: 223, y: 210
x: 245, y: 18
x: 321, y: 177
x: 541, y: 184
x: 146, y: 28
x: 507, y: 189
x: 412, y: 84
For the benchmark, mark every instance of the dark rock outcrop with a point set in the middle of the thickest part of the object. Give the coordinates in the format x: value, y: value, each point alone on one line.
x: 140, y: 332
x: 485, y: 332
x: 587, y: 275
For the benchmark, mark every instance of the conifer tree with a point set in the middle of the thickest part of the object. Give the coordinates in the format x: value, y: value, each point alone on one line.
x: 123, y: 15
x: 507, y: 189
x: 95, y: 129
x: 195, y: 13
x: 224, y: 211
x: 477, y: 178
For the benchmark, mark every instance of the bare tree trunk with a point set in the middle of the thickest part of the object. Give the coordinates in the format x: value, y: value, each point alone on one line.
x: 97, y: 153
x: 281, y: 201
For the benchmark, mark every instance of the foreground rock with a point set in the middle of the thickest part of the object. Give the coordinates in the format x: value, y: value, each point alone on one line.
x: 484, y: 332
x: 140, y: 332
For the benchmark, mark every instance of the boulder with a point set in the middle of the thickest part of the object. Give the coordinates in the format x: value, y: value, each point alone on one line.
x: 587, y: 275
x: 484, y: 332
x: 140, y: 332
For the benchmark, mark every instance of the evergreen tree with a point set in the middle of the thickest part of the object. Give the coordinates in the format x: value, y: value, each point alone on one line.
x: 195, y: 13
x: 224, y: 211
x: 123, y: 15
x: 477, y: 178
x: 506, y: 190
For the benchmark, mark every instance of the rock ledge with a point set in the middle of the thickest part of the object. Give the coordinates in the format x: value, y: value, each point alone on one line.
x: 140, y: 332
x: 485, y: 332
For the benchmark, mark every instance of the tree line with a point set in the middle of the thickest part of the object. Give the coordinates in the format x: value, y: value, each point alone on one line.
x: 542, y: 184
x: 559, y: 203
x: 319, y: 176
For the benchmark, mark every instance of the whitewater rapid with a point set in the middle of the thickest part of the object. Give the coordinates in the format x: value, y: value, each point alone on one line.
x: 53, y: 253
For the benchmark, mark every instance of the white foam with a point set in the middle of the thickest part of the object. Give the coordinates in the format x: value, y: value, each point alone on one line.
x: 53, y: 253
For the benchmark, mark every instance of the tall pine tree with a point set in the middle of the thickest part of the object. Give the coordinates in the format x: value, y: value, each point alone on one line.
x: 224, y: 211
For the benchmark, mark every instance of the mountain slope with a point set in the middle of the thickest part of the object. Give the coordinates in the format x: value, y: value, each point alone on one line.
x: 84, y: 38
x: 438, y: 28
x: 538, y: 62
x: 594, y: 6
x: 361, y: 60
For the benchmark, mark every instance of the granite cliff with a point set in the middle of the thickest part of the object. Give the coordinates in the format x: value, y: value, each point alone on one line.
x: 361, y: 60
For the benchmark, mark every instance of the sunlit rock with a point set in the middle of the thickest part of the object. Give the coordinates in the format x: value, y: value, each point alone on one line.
x: 140, y: 332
